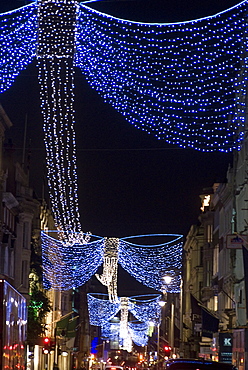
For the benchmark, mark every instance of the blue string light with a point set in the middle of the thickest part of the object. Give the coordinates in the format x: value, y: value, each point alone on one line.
x: 146, y: 308
x: 101, y: 310
x: 18, y: 40
x: 148, y: 264
x: 65, y: 267
x: 103, y: 313
x: 176, y: 81
x: 139, y: 332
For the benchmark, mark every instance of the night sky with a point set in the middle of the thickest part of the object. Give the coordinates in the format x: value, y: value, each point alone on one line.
x: 130, y: 183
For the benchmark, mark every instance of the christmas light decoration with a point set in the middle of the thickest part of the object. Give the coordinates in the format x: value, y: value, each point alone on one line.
x: 55, y: 50
x: 65, y: 267
x: 124, y: 317
x: 109, y: 275
x: 150, y: 263
x: 18, y: 33
x: 101, y: 310
x: 177, y: 81
x: 124, y: 335
x: 146, y: 308
x: 103, y: 313
x: 139, y: 332
x: 111, y: 330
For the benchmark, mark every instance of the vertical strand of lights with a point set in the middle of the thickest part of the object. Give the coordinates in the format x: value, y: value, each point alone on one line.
x: 18, y: 35
x: 55, y: 51
x: 109, y: 275
x: 125, y: 337
x: 124, y: 318
x: 175, y: 81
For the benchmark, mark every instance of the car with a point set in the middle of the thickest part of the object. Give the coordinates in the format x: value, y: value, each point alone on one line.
x: 113, y: 367
x: 197, y: 364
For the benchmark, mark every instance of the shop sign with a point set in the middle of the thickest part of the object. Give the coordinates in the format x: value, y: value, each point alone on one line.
x: 225, y: 345
x: 236, y: 241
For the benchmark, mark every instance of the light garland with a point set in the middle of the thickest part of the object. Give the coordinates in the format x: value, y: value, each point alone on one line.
x: 103, y: 313
x: 18, y: 33
x: 109, y: 275
x: 175, y: 81
x: 139, y: 332
x: 65, y: 267
x: 146, y: 308
x: 57, y: 20
x: 110, y: 331
x: 101, y: 310
x: 148, y: 264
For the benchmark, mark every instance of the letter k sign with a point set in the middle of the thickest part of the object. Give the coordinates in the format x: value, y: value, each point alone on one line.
x: 227, y: 342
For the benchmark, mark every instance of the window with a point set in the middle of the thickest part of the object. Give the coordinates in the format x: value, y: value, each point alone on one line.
x: 24, y: 279
x: 208, y: 277
x: 25, y: 235
x: 201, y: 256
x: 209, y: 233
x: 216, y: 260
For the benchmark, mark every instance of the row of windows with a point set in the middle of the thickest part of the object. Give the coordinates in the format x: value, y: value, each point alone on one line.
x: 7, y: 265
x: 8, y: 219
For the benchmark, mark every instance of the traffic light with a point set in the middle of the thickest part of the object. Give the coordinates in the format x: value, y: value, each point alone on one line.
x: 167, y: 350
x: 46, y: 345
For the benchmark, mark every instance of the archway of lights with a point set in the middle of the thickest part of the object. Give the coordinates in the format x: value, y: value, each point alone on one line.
x: 66, y: 267
x: 144, y: 311
x: 176, y: 81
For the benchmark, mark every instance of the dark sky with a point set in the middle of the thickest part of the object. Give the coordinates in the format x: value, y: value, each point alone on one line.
x: 130, y: 183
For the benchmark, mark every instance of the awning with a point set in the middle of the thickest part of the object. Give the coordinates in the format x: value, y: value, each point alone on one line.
x: 67, y: 325
x: 210, y: 324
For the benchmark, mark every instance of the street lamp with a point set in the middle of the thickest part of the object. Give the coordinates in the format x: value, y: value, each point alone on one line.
x: 167, y: 279
x: 161, y: 304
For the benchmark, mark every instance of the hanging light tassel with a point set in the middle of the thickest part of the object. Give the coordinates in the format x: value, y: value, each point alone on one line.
x: 109, y: 275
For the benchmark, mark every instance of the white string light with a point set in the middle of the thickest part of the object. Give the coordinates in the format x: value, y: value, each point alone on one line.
x: 55, y: 50
x: 109, y: 275
x: 103, y: 313
x: 146, y: 263
x: 124, y: 318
